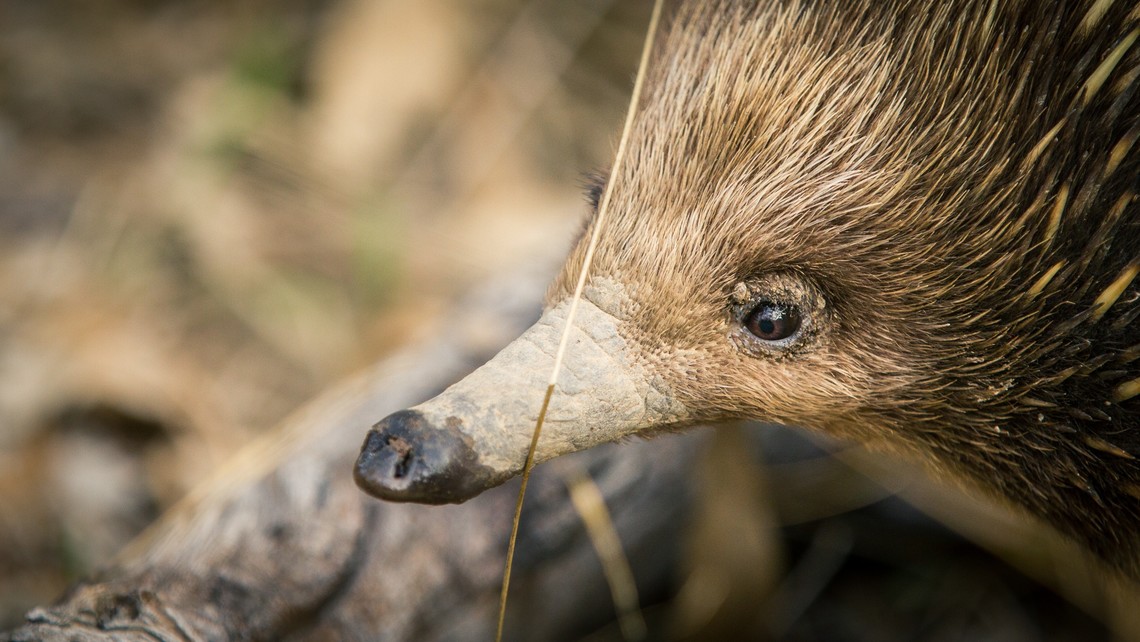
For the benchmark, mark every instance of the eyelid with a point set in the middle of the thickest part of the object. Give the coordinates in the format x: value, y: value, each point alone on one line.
x: 784, y: 289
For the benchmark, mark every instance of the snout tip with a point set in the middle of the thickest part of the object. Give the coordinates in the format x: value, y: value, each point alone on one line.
x: 407, y: 459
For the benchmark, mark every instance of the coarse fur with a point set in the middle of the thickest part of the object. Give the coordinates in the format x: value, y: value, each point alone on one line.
x: 948, y: 192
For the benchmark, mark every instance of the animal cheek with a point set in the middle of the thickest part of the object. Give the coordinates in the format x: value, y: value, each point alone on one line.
x: 718, y: 384
x: 799, y: 393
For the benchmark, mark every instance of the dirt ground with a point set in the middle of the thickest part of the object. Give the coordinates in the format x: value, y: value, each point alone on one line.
x: 211, y: 210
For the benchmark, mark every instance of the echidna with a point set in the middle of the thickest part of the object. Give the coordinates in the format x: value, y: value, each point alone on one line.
x: 896, y: 221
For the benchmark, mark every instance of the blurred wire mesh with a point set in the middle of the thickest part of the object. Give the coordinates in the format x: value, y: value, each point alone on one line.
x: 211, y: 210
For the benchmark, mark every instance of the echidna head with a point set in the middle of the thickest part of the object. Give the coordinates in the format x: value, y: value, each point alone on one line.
x: 835, y: 215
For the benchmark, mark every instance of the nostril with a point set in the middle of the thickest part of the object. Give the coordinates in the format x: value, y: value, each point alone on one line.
x: 404, y: 455
x: 389, y: 454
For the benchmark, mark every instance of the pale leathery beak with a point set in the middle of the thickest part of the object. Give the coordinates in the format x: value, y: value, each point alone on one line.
x: 476, y: 434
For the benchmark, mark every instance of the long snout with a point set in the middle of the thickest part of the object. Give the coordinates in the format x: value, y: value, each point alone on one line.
x: 475, y: 435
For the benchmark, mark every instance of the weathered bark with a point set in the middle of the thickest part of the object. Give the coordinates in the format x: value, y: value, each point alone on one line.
x: 282, y: 545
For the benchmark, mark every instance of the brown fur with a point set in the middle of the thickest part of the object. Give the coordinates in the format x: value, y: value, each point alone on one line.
x: 949, y: 189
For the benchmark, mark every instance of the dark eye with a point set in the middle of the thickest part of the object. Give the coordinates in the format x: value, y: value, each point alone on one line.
x: 773, y: 321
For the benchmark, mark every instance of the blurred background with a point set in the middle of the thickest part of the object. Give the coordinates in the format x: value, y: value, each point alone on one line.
x: 210, y: 210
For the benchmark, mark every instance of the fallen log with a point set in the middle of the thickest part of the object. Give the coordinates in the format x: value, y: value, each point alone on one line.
x: 282, y: 545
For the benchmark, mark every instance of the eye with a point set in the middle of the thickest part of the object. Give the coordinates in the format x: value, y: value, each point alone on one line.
x: 773, y: 321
